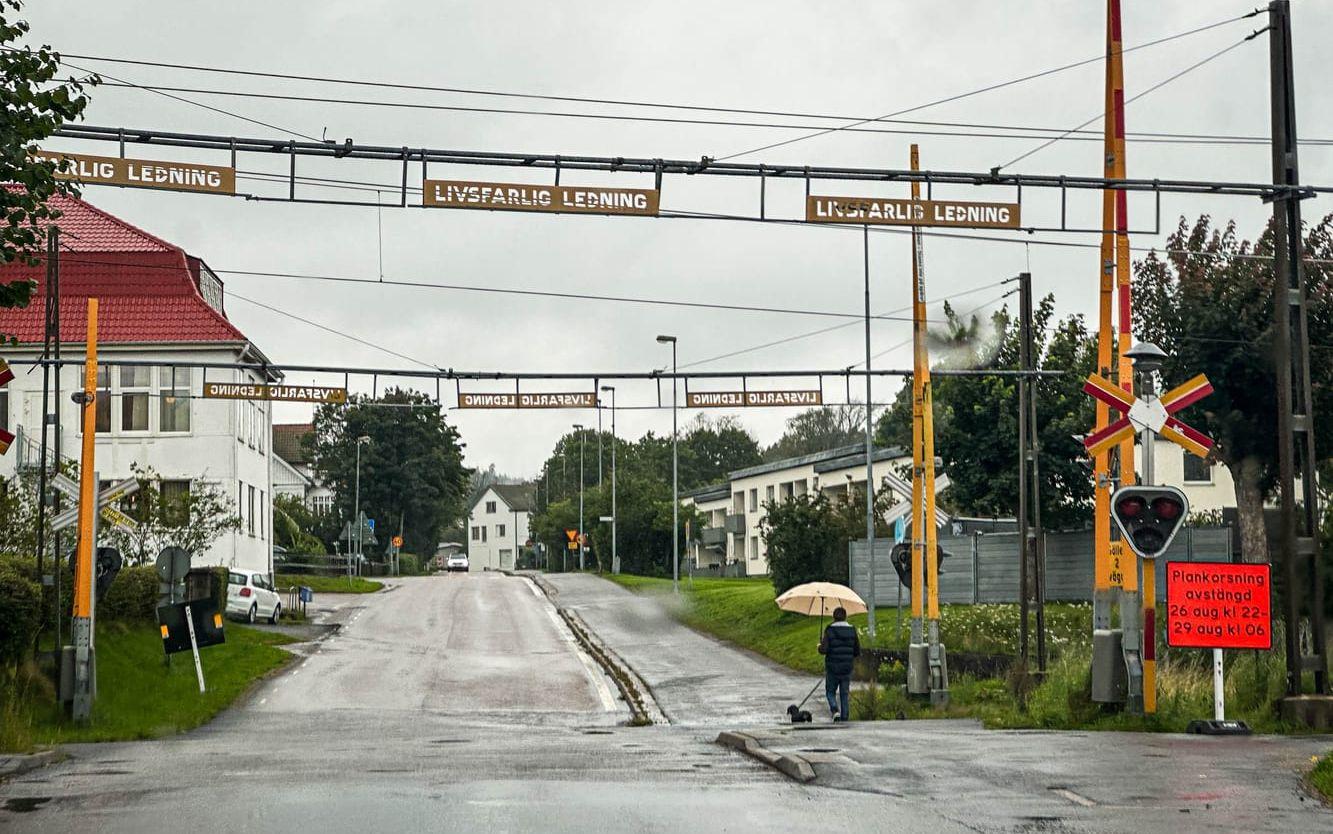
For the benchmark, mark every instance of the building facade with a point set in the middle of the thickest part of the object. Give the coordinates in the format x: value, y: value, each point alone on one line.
x: 295, y: 475
x: 498, y: 526
x: 735, y: 510
x: 162, y: 310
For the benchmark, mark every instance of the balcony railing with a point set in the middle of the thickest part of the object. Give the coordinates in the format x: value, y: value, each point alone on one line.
x: 735, y: 524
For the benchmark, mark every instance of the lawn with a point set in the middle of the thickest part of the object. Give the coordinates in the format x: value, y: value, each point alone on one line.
x: 327, y: 584
x: 138, y: 695
x: 1321, y: 777
x: 742, y: 611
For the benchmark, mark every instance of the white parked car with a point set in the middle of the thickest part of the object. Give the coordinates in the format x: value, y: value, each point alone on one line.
x: 457, y: 562
x: 250, y: 595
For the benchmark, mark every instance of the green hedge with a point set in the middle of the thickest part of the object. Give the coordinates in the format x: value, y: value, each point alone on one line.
x: 20, y: 612
x: 132, y: 597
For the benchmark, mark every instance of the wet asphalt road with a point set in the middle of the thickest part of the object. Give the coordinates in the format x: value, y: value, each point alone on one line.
x: 459, y: 704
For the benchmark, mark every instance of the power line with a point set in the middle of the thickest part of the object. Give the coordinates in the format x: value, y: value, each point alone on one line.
x: 967, y: 130
x: 334, y: 331
x: 823, y: 330
x: 991, y: 87
x: 562, y: 295
x: 184, y: 100
x: 1159, y: 85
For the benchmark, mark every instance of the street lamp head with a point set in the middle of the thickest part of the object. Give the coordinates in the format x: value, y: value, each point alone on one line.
x: 578, y: 427
x: 666, y: 339
x: 608, y: 387
x: 1147, y: 357
x: 365, y: 438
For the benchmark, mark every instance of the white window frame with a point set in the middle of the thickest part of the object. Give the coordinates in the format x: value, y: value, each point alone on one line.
x: 175, y: 386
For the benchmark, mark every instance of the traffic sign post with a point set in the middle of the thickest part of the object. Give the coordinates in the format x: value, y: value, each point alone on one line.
x: 1219, y: 606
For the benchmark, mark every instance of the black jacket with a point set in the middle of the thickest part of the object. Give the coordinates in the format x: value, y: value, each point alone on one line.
x: 840, y: 647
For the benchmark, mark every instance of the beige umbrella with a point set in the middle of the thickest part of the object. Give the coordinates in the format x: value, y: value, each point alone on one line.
x: 818, y: 599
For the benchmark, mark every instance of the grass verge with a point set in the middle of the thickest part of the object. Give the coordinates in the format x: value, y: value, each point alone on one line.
x: 327, y: 584
x: 138, y: 695
x: 1321, y: 778
x: 743, y: 612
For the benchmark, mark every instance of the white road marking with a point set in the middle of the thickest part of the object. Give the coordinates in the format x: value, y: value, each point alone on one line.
x: 595, y: 674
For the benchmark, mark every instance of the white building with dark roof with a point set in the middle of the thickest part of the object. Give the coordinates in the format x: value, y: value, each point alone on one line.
x: 498, y: 526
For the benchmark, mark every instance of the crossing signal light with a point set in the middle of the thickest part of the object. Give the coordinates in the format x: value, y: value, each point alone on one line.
x: 901, y: 557
x: 1149, y: 517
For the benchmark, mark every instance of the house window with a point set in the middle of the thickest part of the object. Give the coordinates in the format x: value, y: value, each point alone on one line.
x: 102, y: 400
x: 754, y: 547
x: 174, y: 399
x: 263, y: 513
x: 261, y: 425
x: 475, y: 535
x: 173, y: 495
x: 499, y: 531
x: 754, y: 500
x: 250, y: 511
x: 490, y: 506
x: 768, y: 494
x: 483, y: 533
x: 134, y: 391
x: 1197, y: 470
x: 4, y: 410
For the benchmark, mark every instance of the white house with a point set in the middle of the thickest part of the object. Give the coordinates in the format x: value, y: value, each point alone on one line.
x: 163, y: 310
x: 1208, y: 486
x: 735, y: 511
x: 498, y: 526
x: 294, y: 473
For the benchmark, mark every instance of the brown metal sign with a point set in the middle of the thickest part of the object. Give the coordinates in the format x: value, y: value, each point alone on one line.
x: 144, y: 173
x: 568, y: 399
x: 505, y: 196
x: 276, y: 393
x: 885, y: 211
x: 751, y: 399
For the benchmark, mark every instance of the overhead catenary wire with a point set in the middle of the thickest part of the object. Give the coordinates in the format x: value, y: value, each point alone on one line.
x: 184, y: 100
x: 965, y: 130
x: 991, y: 87
x: 1159, y: 85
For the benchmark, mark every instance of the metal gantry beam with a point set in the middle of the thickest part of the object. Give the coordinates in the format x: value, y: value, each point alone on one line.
x: 658, y: 167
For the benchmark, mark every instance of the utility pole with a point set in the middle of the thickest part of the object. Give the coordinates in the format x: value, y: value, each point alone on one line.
x: 83, y: 687
x: 1148, y: 359
x: 52, y: 272
x: 579, y: 428
x: 870, y: 451
x: 675, y: 473
x: 615, y: 557
x: 1031, y: 568
x: 599, y: 444
x: 1302, y: 570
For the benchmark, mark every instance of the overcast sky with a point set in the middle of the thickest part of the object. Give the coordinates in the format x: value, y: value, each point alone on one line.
x: 855, y: 58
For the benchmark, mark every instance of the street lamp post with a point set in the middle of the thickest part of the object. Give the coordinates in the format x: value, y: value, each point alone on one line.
x: 579, y: 429
x: 675, y: 473
x: 356, y: 513
x: 615, y: 557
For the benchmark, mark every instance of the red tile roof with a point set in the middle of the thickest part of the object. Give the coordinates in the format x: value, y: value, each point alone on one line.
x: 287, y: 441
x: 146, y: 288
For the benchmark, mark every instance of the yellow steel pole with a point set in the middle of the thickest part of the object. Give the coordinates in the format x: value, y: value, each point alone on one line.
x: 85, y: 670
x: 918, y: 429
x: 83, y: 565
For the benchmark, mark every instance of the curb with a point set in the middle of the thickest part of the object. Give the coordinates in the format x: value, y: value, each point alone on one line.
x: 793, y: 767
x: 12, y: 766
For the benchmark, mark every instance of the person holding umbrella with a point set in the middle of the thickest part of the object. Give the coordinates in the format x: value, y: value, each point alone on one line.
x: 840, y: 648
x: 838, y: 643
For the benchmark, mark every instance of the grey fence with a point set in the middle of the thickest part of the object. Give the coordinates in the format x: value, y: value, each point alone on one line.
x: 983, y: 567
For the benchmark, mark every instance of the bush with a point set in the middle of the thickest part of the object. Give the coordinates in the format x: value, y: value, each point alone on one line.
x: 409, y: 564
x: 20, y: 613
x: 132, y: 597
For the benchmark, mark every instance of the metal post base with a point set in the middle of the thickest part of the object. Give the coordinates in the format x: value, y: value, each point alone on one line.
x: 1213, y: 727
x: 939, y: 676
x: 918, y: 669
x: 1109, y: 681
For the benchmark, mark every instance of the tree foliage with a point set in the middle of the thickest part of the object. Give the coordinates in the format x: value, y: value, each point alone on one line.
x: 819, y: 430
x: 295, y: 527
x: 192, y: 520
x: 33, y: 105
x: 807, y: 536
x: 411, y: 470
x: 976, y: 417
x: 1209, y: 305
